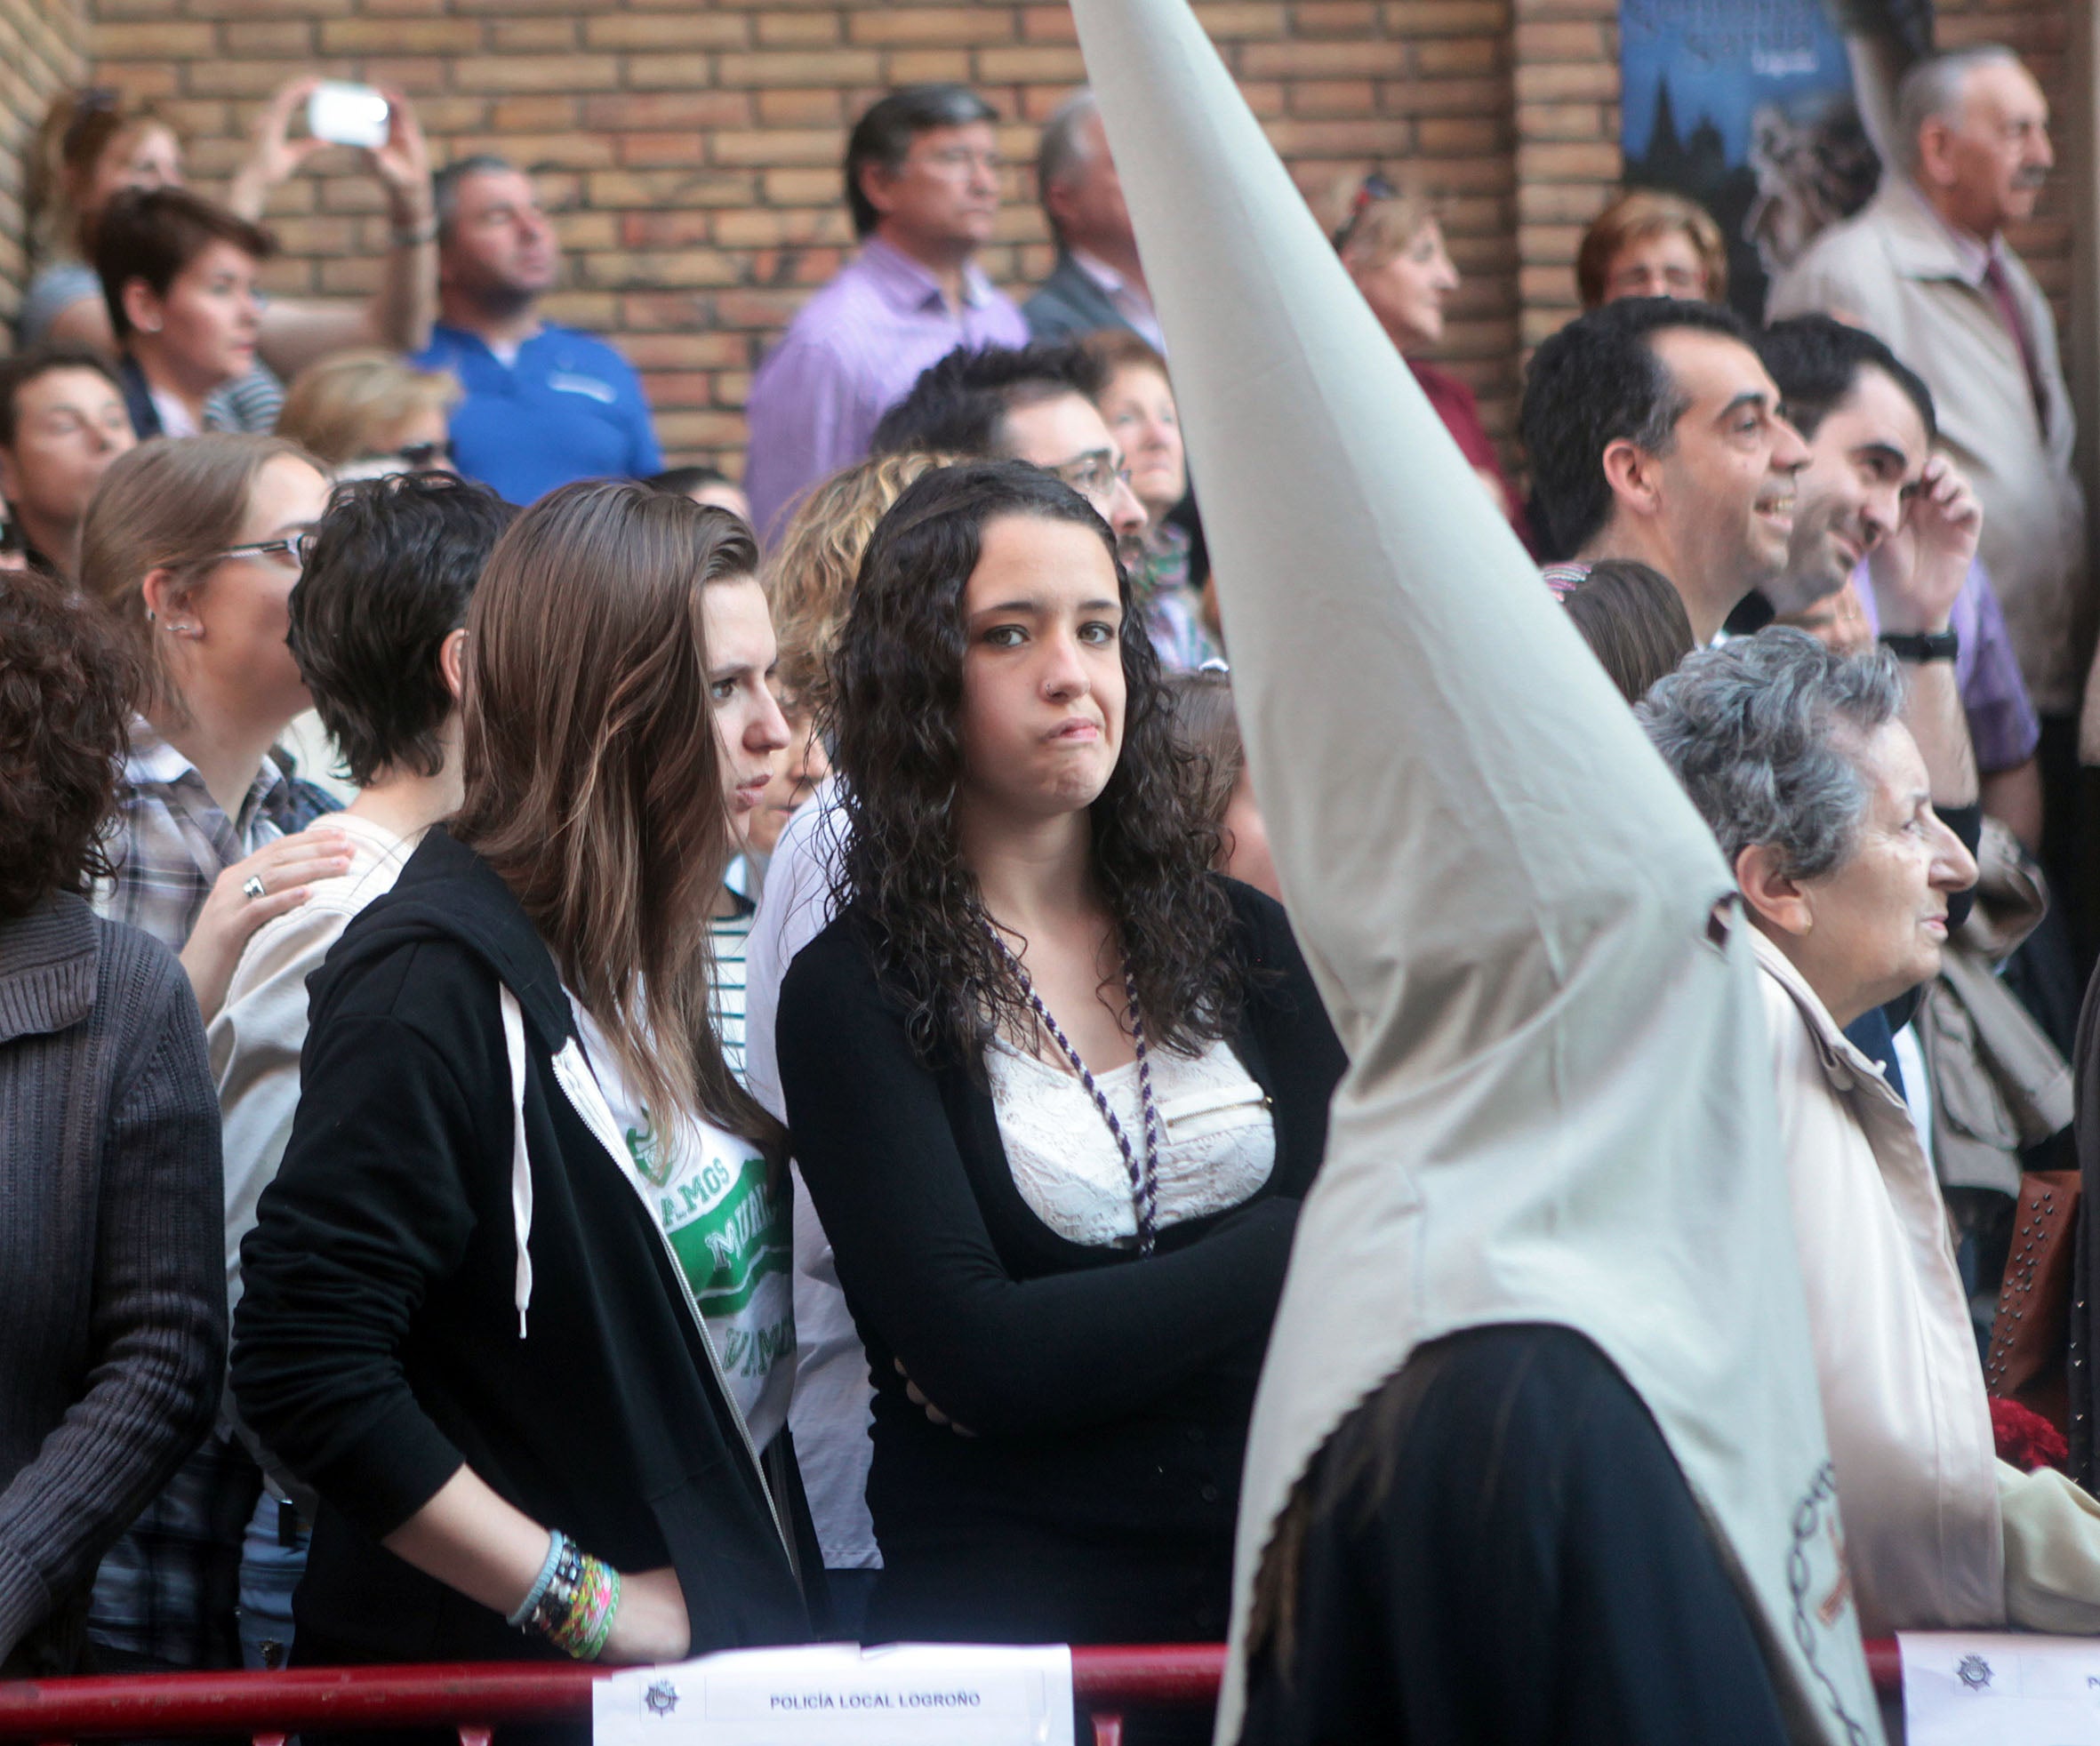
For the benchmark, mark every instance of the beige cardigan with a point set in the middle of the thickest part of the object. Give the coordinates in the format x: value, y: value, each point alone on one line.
x: 1939, y: 1533
x: 1896, y: 270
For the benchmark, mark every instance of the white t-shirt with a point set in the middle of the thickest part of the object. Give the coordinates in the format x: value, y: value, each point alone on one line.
x: 728, y: 1224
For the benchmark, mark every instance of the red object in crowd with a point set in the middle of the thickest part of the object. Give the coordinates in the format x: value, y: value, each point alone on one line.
x: 269, y: 1706
x: 2025, y: 1440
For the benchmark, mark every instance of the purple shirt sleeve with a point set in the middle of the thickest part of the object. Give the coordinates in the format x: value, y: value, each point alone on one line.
x: 2000, y: 716
x: 806, y: 421
x: 2001, y: 724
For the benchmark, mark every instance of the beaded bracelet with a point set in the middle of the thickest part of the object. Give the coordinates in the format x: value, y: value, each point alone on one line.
x: 589, y: 1622
x: 517, y: 1621
x: 575, y: 1609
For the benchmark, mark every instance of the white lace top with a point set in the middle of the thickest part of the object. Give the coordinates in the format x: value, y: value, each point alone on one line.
x: 1217, y: 1144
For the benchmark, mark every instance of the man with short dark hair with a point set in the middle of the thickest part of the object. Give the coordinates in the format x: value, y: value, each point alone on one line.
x: 922, y: 181
x: 1926, y: 266
x: 1099, y: 281
x: 62, y: 421
x: 1656, y: 434
x: 1029, y: 403
x: 542, y: 405
x: 1876, y: 506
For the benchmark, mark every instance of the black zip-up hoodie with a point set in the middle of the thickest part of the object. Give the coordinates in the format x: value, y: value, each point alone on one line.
x: 404, y: 1309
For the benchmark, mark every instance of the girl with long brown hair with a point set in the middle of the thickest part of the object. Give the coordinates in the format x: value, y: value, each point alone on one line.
x: 516, y: 1307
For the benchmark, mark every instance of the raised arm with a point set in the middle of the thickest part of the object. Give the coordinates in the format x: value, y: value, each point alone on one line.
x: 297, y: 331
x: 1005, y: 1357
x: 1916, y: 572
x: 273, y: 155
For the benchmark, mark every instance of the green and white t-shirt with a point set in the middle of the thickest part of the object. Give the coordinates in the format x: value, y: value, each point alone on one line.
x: 729, y: 1227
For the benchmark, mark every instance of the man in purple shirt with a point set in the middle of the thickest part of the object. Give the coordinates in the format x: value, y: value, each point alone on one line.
x: 922, y: 181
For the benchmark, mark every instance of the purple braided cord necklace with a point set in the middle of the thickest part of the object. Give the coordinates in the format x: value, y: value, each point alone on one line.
x: 1144, y: 1174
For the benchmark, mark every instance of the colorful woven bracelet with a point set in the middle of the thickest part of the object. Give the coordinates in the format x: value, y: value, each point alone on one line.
x: 582, y: 1631
x: 517, y: 1621
x: 559, y: 1600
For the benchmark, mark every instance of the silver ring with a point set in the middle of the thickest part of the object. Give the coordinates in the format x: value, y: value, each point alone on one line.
x: 253, y: 886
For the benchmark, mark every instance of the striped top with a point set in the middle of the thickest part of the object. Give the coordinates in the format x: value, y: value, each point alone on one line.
x: 729, y: 940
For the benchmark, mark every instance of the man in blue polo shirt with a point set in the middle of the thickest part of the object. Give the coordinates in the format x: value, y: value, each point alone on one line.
x: 543, y: 405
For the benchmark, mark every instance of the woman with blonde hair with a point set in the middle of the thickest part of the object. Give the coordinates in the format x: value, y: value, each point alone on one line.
x: 1649, y: 243
x: 192, y: 548
x: 516, y: 1305
x: 1391, y: 240
x: 366, y: 413
x: 809, y: 578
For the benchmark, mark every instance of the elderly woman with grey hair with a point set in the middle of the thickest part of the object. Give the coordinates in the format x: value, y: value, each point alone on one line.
x: 1797, y: 757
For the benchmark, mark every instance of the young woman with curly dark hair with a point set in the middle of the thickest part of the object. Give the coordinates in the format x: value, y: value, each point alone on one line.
x: 112, y: 1304
x: 1055, y: 1088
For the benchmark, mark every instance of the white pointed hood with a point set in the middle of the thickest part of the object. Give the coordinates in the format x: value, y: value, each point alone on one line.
x: 1559, y: 1103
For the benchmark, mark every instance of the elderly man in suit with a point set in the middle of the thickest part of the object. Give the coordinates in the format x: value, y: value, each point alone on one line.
x: 1926, y: 266
x: 1098, y: 282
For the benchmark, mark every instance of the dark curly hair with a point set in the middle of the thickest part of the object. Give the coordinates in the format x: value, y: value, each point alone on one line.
x: 66, y: 686
x: 896, y: 713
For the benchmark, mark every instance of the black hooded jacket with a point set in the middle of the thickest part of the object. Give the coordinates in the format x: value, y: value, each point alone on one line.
x: 380, y: 1341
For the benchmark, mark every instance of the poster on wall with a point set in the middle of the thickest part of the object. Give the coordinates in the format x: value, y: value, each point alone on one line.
x: 1747, y: 107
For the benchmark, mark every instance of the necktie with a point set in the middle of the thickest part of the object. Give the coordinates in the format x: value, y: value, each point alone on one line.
x: 2000, y: 291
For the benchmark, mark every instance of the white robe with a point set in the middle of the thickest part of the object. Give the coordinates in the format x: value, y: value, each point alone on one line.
x: 1558, y: 1106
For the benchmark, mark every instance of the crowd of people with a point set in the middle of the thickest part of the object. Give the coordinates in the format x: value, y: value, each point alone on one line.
x: 615, y: 1062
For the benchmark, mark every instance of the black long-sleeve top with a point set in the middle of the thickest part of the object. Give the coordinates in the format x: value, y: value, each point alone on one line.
x: 1109, y: 1395
x: 380, y: 1344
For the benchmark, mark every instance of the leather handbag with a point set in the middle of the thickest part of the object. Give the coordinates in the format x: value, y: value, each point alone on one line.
x: 2030, y: 1337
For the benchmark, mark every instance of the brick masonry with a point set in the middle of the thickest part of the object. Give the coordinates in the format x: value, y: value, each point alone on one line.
x: 690, y: 146
x: 42, y: 50
x: 691, y: 150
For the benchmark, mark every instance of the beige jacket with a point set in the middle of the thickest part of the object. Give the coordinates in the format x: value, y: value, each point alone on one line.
x: 1939, y: 1533
x: 1897, y: 269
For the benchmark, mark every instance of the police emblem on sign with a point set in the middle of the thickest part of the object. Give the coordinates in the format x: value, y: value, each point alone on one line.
x: 1974, y: 1672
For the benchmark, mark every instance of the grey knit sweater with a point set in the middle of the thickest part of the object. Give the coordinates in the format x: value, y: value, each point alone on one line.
x: 112, y: 1287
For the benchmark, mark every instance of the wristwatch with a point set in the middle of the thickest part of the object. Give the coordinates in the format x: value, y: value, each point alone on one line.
x: 1922, y: 645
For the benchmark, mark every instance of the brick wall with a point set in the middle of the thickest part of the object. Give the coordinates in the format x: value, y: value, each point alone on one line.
x: 690, y: 146
x: 1566, y: 81
x: 43, y: 49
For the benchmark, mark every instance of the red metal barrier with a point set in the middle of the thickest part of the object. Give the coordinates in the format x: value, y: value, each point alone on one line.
x: 472, y: 1699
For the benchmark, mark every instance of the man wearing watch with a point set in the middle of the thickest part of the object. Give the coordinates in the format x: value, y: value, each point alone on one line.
x: 1876, y: 507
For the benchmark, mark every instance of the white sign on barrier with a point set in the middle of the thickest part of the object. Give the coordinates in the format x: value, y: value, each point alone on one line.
x: 1969, y: 1688
x: 840, y: 1694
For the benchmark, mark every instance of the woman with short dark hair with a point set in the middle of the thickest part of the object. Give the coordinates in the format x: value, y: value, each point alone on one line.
x: 112, y: 1318
x: 378, y: 618
x: 1055, y: 1087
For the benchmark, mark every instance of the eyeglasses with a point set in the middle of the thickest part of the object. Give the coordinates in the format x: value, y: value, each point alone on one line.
x: 1095, y: 476
x: 291, y: 553
x: 415, y: 457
